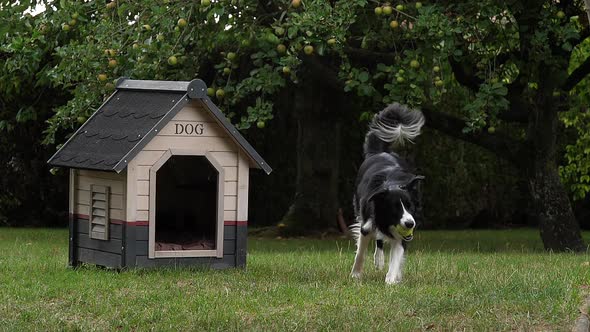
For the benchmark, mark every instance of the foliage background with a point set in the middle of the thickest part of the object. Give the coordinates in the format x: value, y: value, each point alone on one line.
x: 50, y: 84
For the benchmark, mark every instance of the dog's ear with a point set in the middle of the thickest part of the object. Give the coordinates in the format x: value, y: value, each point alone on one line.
x: 368, y: 203
x: 413, y: 182
x: 376, y: 194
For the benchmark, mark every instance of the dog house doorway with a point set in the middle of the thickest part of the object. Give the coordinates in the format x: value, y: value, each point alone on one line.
x: 186, y: 205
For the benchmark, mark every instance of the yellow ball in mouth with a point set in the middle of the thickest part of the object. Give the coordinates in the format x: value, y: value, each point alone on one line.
x: 404, y: 232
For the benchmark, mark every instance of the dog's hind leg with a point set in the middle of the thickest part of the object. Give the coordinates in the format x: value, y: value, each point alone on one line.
x: 394, y: 275
x: 359, y: 259
x: 379, y: 256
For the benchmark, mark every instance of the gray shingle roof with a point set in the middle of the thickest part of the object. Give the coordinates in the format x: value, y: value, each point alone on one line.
x: 130, y: 118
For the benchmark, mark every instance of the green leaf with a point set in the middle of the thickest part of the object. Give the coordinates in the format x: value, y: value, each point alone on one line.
x: 363, y: 77
x: 292, y: 32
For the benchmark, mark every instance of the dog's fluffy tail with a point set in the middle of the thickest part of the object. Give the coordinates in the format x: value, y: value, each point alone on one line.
x: 396, y: 124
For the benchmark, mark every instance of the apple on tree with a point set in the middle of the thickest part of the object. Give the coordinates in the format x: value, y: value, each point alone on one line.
x: 219, y: 93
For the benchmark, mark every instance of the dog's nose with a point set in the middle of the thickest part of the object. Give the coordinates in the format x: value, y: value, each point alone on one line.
x: 409, y: 224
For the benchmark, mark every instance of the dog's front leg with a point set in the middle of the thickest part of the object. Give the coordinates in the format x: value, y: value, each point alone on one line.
x: 379, y: 257
x: 359, y: 259
x: 394, y: 275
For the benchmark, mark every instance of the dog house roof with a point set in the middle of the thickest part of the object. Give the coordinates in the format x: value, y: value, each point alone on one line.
x: 131, y: 117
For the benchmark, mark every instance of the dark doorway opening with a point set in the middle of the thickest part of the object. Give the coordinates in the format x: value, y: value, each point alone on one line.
x: 186, y: 204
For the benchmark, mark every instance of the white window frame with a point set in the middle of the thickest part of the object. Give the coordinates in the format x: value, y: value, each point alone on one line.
x: 218, y: 251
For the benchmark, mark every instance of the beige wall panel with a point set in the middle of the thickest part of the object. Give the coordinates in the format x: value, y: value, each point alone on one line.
x: 229, y: 215
x: 230, y: 203
x: 243, y: 182
x: 116, y: 182
x: 82, y: 209
x: 143, y: 202
x: 231, y: 188
x: 143, y: 173
x: 143, y: 215
x: 102, y: 175
x: 226, y: 158
x: 231, y: 173
x: 143, y: 187
x: 193, y: 112
x: 162, y: 143
x: 130, y: 202
x: 147, y: 158
x: 84, y: 183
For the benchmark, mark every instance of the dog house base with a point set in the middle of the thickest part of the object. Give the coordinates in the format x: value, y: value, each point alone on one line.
x: 114, y: 160
x: 128, y: 248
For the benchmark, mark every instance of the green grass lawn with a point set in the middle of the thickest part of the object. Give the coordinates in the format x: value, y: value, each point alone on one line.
x: 454, y: 280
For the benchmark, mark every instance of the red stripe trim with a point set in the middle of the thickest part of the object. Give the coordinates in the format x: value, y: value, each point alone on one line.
x: 138, y: 223
x: 235, y: 223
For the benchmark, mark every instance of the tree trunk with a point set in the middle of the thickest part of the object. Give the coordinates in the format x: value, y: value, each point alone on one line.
x: 559, y: 229
x: 315, y: 205
x: 558, y: 226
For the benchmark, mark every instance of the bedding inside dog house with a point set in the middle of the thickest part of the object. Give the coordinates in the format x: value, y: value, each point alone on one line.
x: 158, y: 176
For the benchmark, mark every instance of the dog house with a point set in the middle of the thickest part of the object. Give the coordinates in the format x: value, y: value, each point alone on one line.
x: 158, y: 177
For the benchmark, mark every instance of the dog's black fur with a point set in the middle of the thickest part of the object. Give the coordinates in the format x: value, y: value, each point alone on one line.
x: 385, y: 180
x: 386, y: 194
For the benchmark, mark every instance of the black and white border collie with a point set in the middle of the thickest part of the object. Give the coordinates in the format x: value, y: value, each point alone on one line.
x: 386, y: 190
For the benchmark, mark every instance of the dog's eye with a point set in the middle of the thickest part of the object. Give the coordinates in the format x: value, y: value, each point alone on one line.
x: 408, y: 205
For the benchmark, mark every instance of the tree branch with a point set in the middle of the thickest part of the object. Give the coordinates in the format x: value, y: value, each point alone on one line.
x: 587, y: 8
x: 324, y: 72
x: 577, y: 75
x: 502, y: 58
x: 514, y: 114
x: 503, y: 146
x: 518, y: 111
x: 583, y: 35
x: 364, y: 55
x: 563, y: 4
x: 465, y: 76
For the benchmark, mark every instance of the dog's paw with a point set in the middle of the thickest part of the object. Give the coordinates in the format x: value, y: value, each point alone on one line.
x: 379, y: 260
x: 355, y: 274
x: 392, y: 279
